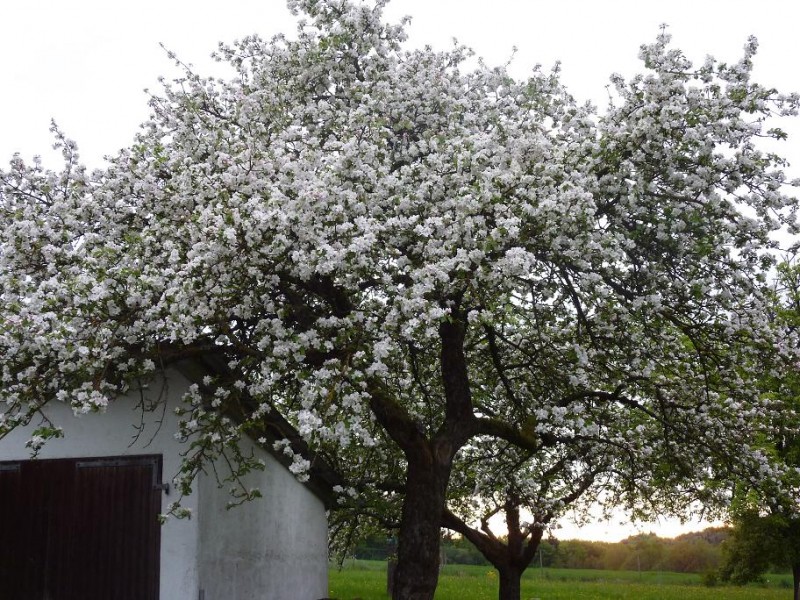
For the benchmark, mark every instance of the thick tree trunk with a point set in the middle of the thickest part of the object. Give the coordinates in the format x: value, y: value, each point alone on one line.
x: 796, y: 578
x: 417, y: 570
x: 510, y: 588
x: 430, y: 461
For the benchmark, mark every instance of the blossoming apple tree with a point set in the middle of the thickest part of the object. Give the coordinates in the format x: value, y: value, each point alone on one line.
x: 766, y: 526
x: 407, y: 256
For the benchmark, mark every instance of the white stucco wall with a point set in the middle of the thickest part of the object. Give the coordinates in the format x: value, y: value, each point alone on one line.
x: 272, y: 548
x: 113, y: 433
x: 261, y: 550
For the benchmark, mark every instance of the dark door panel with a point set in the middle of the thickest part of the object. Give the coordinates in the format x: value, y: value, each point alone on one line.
x: 80, y: 529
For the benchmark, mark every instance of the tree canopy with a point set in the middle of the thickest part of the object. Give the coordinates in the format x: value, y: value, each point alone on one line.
x: 410, y: 259
x: 766, y: 530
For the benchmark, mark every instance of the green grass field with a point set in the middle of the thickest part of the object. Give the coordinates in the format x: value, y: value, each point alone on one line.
x: 366, y: 580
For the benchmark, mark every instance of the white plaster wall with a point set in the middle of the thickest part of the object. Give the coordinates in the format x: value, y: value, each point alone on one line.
x: 272, y: 548
x: 114, y: 433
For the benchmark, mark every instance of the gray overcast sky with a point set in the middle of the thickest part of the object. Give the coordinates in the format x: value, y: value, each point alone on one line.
x: 85, y: 62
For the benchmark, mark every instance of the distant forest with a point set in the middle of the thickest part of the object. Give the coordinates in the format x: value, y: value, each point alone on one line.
x: 699, y: 552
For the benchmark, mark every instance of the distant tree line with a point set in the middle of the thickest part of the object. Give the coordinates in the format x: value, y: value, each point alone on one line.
x: 691, y: 553
x: 455, y: 550
x: 700, y: 552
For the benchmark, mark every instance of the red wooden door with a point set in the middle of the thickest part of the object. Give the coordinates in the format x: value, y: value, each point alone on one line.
x: 83, y: 529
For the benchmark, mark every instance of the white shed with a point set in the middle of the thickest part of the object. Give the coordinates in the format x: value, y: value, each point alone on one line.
x: 81, y: 521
